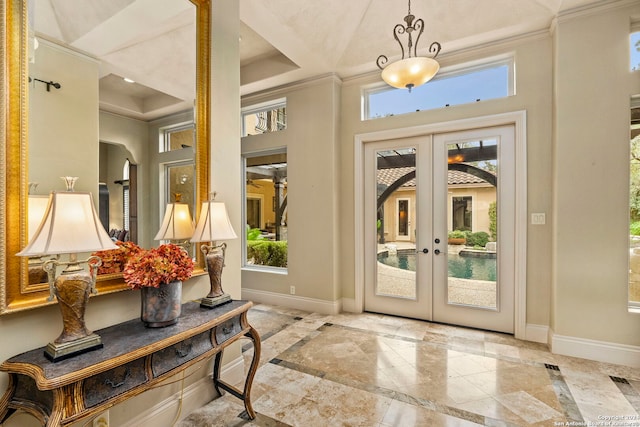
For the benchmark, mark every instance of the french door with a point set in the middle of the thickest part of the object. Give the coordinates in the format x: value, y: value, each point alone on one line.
x: 458, y: 184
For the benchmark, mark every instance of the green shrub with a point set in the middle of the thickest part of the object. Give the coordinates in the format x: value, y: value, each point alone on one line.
x: 635, y: 228
x: 493, y: 221
x: 478, y: 239
x: 254, y: 234
x: 267, y: 252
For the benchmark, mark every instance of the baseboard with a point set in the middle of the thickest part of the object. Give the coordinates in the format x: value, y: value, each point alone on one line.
x: 601, y: 351
x: 349, y: 305
x: 536, y: 333
x: 194, y: 396
x: 293, y: 301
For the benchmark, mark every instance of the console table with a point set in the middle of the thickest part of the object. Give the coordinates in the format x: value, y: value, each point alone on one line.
x: 134, y: 359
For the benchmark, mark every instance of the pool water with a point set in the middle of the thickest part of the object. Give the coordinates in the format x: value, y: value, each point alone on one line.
x: 459, y: 266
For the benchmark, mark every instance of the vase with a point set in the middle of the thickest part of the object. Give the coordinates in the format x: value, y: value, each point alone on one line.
x: 161, y: 306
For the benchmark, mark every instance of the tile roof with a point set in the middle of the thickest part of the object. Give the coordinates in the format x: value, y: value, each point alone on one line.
x: 389, y: 176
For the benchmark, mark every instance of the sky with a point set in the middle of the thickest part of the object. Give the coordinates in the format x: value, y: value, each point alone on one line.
x: 635, y: 51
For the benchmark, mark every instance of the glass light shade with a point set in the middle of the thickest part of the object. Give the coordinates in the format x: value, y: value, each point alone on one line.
x: 177, y: 223
x: 35, y: 213
x: 410, y: 72
x: 213, y: 223
x: 71, y: 225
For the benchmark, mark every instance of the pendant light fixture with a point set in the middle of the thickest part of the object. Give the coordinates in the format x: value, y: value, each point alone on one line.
x: 413, y: 70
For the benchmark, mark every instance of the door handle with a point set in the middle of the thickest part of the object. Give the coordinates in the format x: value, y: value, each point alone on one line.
x: 437, y: 251
x: 437, y: 240
x: 424, y: 251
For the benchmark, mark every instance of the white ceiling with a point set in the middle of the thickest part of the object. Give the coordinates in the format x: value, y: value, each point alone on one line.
x: 282, y: 41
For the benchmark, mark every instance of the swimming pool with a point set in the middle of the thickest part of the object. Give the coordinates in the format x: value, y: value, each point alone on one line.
x: 462, y: 267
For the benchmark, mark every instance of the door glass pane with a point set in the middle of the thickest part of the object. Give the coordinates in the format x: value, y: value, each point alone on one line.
x: 472, y: 218
x: 396, y: 247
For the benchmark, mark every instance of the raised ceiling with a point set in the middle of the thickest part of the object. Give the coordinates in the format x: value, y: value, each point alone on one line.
x: 282, y: 41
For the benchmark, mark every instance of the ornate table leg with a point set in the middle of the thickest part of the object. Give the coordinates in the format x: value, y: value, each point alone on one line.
x: 253, y: 335
x: 216, y: 372
x: 245, y: 395
x: 23, y: 395
x: 5, y: 411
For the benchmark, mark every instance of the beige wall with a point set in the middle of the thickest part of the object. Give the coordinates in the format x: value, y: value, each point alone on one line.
x: 312, y: 189
x: 482, y: 198
x: 57, y: 148
x: 591, y: 186
x: 226, y: 175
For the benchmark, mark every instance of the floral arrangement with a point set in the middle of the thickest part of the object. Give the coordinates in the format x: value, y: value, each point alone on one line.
x: 114, y: 260
x: 164, y: 264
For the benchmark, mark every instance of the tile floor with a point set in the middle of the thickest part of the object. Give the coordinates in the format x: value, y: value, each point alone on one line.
x: 376, y: 370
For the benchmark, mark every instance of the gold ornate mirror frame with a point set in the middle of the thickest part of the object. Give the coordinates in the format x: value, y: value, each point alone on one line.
x: 15, y: 293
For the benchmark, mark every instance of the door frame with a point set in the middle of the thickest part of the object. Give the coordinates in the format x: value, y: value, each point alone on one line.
x: 515, y: 118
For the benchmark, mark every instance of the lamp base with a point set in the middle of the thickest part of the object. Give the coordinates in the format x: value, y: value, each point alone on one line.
x: 60, y: 351
x: 211, y: 302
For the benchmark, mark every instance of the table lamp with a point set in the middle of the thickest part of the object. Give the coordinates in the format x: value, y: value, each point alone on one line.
x: 36, y: 207
x: 70, y: 226
x: 177, y: 224
x: 214, y: 225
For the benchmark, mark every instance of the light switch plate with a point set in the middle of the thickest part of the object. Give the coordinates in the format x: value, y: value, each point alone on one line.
x: 538, y: 219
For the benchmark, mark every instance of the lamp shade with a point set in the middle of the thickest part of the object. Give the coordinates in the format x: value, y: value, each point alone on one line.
x: 70, y: 225
x: 410, y: 72
x: 213, y: 223
x: 177, y: 223
x: 37, y: 206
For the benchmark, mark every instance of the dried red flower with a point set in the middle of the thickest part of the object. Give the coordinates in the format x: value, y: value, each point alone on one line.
x: 152, y: 267
x: 113, y: 260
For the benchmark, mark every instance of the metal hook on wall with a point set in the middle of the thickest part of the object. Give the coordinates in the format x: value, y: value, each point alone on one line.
x: 49, y: 83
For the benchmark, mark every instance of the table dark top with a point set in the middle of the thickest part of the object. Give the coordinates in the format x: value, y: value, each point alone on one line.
x: 123, y: 342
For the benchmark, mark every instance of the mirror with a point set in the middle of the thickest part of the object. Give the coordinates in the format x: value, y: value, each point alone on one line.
x: 15, y: 291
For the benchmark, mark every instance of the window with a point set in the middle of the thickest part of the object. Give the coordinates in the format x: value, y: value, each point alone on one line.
x: 125, y: 195
x: 177, y: 137
x: 264, y: 118
x: 634, y: 207
x: 470, y: 84
x: 265, y: 214
x: 180, y: 183
x: 634, y: 49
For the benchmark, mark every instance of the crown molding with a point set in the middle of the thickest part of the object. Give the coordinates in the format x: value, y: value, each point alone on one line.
x: 280, y: 91
x: 598, y: 7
